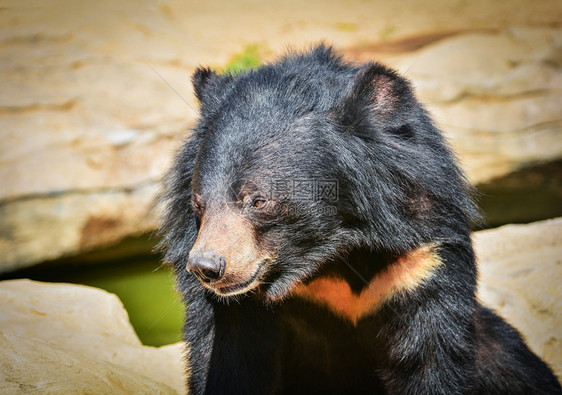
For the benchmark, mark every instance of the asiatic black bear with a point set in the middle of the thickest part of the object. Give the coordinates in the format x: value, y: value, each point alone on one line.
x: 319, y: 229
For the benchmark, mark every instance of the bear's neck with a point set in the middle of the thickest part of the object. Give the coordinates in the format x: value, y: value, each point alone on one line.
x: 358, y: 267
x: 360, y: 284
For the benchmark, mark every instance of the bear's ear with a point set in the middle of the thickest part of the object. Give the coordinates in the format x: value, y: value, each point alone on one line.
x: 201, y: 79
x: 383, y: 96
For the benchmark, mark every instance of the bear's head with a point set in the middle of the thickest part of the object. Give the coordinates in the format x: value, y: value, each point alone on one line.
x: 299, y: 162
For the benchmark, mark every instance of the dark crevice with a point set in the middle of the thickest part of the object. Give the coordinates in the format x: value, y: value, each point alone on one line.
x: 531, y: 194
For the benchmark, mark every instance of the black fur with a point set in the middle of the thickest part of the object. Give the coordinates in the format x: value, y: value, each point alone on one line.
x: 312, y: 116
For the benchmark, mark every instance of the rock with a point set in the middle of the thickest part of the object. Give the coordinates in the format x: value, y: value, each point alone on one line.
x: 62, y: 338
x: 520, y: 277
x: 50, y: 227
x: 494, y: 93
x: 95, y: 97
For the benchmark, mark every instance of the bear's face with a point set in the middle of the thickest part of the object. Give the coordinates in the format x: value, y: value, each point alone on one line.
x: 297, y: 163
x: 266, y: 200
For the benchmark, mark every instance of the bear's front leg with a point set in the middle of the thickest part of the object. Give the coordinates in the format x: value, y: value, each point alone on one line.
x: 232, y: 348
x: 425, y: 335
x: 426, y: 355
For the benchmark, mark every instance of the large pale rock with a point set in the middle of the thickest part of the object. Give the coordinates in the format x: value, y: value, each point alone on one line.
x: 95, y: 95
x: 50, y: 227
x: 521, y: 278
x: 61, y: 338
x: 496, y: 95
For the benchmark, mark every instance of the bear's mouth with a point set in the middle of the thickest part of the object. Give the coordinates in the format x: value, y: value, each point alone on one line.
x: 239, y: 288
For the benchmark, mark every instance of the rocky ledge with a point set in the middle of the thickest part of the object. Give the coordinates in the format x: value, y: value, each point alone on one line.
x: 62, y: 338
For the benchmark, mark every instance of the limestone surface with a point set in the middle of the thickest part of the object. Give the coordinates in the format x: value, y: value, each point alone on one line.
x: 521, y: 278
x: 62, y: 338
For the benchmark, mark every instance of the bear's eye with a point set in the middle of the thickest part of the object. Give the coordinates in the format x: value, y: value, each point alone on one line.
x: 197, y: 205
x: 259, y: 202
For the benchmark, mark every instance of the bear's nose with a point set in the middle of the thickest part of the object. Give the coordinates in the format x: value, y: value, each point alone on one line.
x: 207, y: 267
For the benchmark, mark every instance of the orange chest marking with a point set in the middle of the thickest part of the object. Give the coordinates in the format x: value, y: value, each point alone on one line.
x: 405, y: 274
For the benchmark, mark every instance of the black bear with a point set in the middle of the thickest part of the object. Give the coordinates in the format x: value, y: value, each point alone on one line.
x: 319, y: 230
